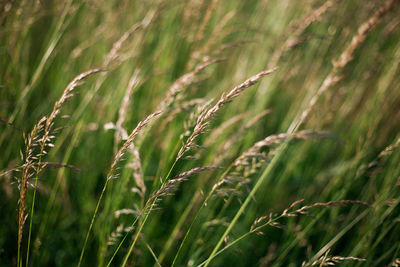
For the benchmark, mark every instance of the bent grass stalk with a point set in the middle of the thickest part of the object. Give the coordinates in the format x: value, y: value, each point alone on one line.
x: 144, y: 220
x: 200, y: 127
x: 369, y: 110
x: 203, y: 120
x: 197, y: 215
x: 272, y: 221
x: 45, y: 141
x: 329, y: 81
x: 272, y: 139
x: 166, y: 189
x: 110, y: 175
x: 108, y: 59
x: 46, y: 125
x: 58, y: 182
x: 30, y: 142
x: 142, y: 212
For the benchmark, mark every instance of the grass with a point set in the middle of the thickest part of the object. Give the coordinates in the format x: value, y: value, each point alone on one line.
x: 189, y: 133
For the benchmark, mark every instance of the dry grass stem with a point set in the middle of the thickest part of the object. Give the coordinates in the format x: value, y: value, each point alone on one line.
x: 196, y: 170
x: 389, y: 149
x: 118, y: 157
x: 327, y: 260
x: 117, y: 234
x: 303, y: 210
x: 126, y: 101
x: 43, y: 165
x: 161, y: 88
x: 375, y: 165
x: 169, y: 187
x: 120, y: 132
x: 136, y: 167
x: 184, y: 81
x: 250, y: 161
x: 254, y: 151
x: 182, y: 107
x: 204, y: 118
x: 347, y: 55
x: 67, y: 94
x: 121, y: 152
x: 32, y: 141
x: 36, y: 148
x: 272, y: 219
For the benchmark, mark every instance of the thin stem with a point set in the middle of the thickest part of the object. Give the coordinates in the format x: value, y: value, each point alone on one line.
x: 92, y: 222
x: 141, y: 213
x: 147, y: 216
x: 179, y: 224
x: 32, y: 212
x: 120, y: 244
x: 197, y: 215
x: 256, y: 229
x: 266, y: 173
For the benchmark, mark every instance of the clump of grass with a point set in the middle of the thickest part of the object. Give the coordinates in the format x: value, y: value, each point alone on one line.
x: 37, y: 144
x: 129, y: 197
x: 329, y: 81
x: 272, y: 220
x: 204, y: 118
x: 111, y: 173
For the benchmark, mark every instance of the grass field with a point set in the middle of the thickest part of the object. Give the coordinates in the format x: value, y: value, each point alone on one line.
x: 200, y: 133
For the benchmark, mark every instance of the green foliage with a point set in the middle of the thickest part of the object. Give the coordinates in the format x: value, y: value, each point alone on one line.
x: 159, y: 56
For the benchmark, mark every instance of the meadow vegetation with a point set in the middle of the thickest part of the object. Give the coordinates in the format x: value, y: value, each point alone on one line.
x: 200, y: 133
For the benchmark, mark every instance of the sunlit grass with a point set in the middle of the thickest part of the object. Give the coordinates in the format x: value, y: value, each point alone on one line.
x: 242, y: 133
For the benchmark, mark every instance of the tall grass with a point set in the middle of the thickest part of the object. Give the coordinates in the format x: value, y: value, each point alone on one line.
x: 209, y: 133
